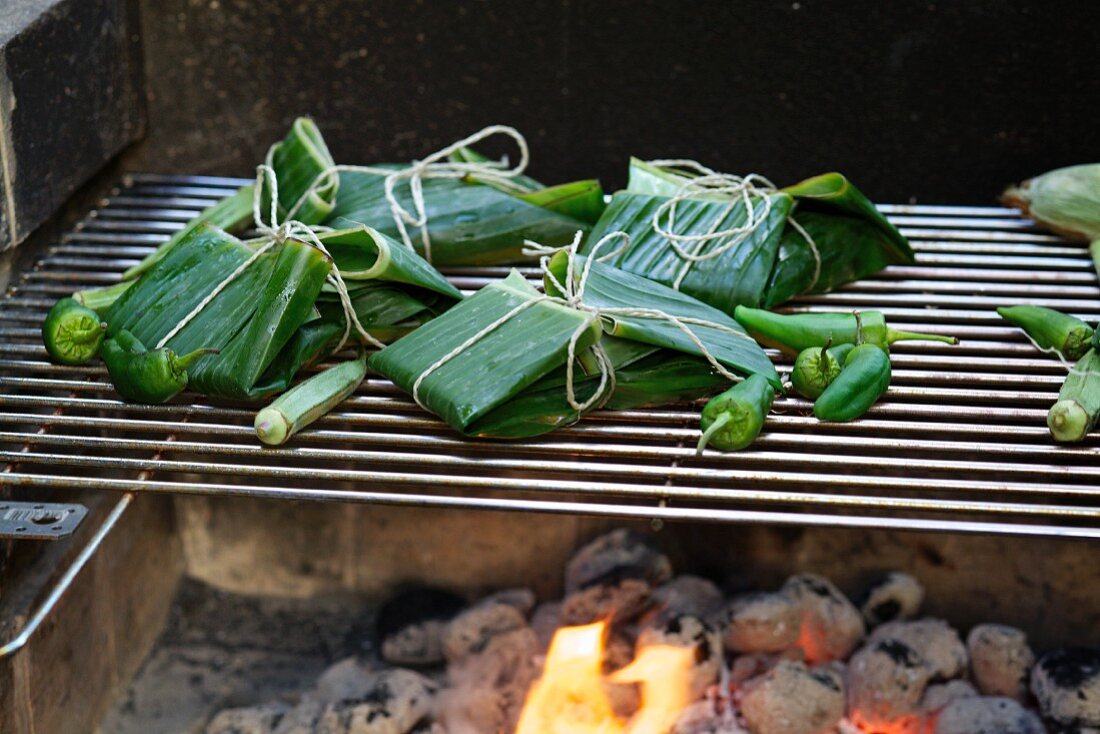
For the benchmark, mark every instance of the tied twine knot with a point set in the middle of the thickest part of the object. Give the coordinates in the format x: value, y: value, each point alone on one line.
x: 740, y: 190
x: 573, y: 297
x: 274, y: 233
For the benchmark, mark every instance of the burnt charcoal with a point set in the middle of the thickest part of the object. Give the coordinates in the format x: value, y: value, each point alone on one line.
x: 762, y: 623
x: 545, y: 621
x: 792, y: 699
x: 612, y: 558
x: 938, y: 695
x: 744, y: 667
x: 346, y: 679
x: 619, y: 603
x: 395, y: 702
x: 705, y: 717
x: 695, y: 634
x: 411, y: 624
x: 303, y: 718
x: 1066, y: 683
x: 488, y: 688
x: 987, y: 715
x: 886, y: 682
x: 522, y: 599
x: 831, y: 625
x: 248, y: 720
x: 682, y: 595
x: 470, y: 631
x: 899, y: 596
x: 1000, y: 660
x: 937, y: 642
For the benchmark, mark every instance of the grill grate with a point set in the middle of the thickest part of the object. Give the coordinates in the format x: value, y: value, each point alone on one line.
x: 959, y: 443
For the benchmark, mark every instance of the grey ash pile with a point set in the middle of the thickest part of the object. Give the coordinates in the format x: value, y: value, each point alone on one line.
x: 802, y: 659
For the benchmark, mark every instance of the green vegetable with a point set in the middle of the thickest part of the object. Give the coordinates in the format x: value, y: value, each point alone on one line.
x: 733, y: 419
x: 1075, y: 413
x: 72, y: 333
x: 309, y: 400
x: 793, y: 333
x: 100, y: 300
x: 1066, y: 200
x: 1050, y: 329
x: 142, y: 376
x: 864, y: 379
x: 815, y: 369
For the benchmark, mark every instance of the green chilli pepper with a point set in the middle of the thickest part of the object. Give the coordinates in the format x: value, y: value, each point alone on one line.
x: 815, y: 369
x: 1051, y: 330
x: 1075, y: 413
x: 72, y: 333
x: 309, y: 400
x: 864, y: 379
x: 142, y: 376
x: 733, y: 419
x: 792, y: 333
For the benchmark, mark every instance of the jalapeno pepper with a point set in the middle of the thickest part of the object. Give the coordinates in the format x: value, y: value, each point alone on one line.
x: 864, y: 379
x: 733, y: 419
x: 143, y: 376
x: 72, y: 333
x: 1050, y: 329
x: 793, y: 333
x: 815, y: 369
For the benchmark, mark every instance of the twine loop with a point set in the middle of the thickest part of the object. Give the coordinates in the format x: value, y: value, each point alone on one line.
x: 740, y: 190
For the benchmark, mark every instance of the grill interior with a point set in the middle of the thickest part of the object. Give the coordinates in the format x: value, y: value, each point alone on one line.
x: 959, y: 443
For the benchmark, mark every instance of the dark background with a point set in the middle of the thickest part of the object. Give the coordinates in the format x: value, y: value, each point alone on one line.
x: 925, y: 101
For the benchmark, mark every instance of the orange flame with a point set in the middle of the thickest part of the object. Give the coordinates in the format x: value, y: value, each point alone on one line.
x: 570, y: 697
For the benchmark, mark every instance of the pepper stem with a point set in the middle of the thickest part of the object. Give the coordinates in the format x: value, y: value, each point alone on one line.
x: 182, y: 363
x: 714, y: 428
x: 893, y: 335
x: 824, y: 361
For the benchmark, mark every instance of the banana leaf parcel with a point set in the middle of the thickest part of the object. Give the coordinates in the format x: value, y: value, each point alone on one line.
x: 807, y: 238
x: 496, y: 365
x: 276, y: 316
x: 470, y: 219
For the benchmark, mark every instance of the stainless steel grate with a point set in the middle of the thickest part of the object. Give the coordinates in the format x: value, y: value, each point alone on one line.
x: 959, y: 443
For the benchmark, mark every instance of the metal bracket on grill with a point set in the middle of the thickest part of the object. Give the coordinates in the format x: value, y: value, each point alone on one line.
x: 39, y: 520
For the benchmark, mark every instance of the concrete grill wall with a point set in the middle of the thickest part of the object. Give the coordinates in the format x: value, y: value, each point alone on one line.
x: 937, y: 101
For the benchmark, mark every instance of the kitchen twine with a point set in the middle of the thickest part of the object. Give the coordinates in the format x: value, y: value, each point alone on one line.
x: 573, y: 290
x: 1070, y: 367
x: 433, y: 166
x: 740, y: 189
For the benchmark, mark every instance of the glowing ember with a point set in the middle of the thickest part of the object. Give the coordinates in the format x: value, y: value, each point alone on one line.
x: 570, y: 697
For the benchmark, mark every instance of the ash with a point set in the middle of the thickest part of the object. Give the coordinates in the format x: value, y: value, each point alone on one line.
x: 798, y: 659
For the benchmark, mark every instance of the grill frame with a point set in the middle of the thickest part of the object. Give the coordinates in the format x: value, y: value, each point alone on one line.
x: 967, y: 420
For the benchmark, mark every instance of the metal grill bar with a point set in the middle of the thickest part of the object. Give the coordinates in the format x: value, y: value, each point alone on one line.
x: 958, y: 444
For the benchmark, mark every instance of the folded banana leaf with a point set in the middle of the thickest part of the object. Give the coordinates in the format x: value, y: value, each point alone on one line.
x: 392, y: 289
x: 496, y: 367
x: 279, y: 313
x: 739, y: 275
x: 771, y: 266
x: 511, y: 383
x: 851, y: 235
x: 250, y: 322
x: 469, y: 223
x: 297, y: 161
x: 609, y: 288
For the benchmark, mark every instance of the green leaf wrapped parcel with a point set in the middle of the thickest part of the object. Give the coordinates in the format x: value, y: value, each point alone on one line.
x: 807, y: 238
x: 497, y: 364
x: 275, y: 317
